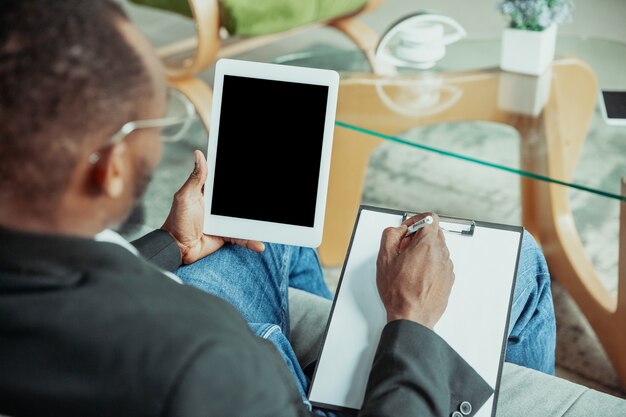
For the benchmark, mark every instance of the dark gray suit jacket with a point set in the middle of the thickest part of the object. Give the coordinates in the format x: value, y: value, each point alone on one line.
x: 89, y: 329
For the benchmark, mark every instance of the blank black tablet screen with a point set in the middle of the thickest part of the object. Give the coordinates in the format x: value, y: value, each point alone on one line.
x: 615, y: 103
x: 269, y: 150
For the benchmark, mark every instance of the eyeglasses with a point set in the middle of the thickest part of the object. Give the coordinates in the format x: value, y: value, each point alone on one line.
x: 179, y: 116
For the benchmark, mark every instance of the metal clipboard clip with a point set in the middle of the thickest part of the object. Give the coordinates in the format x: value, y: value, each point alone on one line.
x: 462, y: 227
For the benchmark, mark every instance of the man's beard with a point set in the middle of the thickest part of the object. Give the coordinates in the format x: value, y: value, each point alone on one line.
x: 136, y: 218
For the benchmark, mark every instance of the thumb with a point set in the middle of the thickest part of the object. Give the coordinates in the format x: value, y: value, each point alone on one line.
x: 198, y: 176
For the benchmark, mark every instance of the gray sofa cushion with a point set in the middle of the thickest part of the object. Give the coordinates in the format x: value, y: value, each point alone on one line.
x: 523, y: 392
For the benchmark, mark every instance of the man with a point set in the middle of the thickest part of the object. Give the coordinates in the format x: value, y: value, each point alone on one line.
x: 89, y: 326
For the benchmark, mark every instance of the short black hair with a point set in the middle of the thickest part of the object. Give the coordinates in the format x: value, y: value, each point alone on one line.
x: 68, y: 77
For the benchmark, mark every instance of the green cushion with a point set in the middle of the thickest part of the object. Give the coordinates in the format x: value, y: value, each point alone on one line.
x: 261, y: 17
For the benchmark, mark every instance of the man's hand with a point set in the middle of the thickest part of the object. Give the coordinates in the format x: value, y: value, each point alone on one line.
x: 414, y: 274
x: 186, y: 219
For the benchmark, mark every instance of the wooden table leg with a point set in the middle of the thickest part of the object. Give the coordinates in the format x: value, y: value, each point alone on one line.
x: 547, y: 213
x: 619, y: 348
x: 350, y: 158
x: 570, y: 265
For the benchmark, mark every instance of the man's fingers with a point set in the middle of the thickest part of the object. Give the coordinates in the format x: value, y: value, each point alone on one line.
x: 196, y: 180
x: 200, y: 170
x: 435, y: 222
x: 204, y: 247
x: 253, y: 245
x: 431, y: 232
x: 391, y: 238
x: 418, y: 217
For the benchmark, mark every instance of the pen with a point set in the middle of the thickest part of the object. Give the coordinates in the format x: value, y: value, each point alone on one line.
x: 418, y: 225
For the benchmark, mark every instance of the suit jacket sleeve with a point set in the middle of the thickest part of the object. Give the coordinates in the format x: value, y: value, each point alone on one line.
x: 160, y: 248
x: 416, y: 373
x: 236, y: 380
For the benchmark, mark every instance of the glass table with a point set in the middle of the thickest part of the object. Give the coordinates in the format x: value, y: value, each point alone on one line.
x: 536, y: 128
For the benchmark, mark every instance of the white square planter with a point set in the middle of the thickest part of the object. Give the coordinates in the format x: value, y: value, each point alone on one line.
x: 527, y: 51
x: 524, y: 94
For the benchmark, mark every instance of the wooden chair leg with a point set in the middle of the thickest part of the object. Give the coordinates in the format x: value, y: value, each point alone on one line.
x: 366, y: 39
x: 200, y: 94
x: 206, y: 44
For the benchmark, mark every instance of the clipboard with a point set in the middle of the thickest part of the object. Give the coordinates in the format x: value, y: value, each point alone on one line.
x: 475, y: 323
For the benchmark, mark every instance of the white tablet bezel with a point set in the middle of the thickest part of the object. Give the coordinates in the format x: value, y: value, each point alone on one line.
x: 218, y: 225
x: 605, y: 114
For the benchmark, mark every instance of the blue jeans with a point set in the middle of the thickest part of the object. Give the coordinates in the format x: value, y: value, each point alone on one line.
x: 257, y: 284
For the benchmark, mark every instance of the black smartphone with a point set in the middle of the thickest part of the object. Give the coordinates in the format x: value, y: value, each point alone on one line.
x: 613, y: 106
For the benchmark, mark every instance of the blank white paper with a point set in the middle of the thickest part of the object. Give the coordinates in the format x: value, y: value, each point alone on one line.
x: 474, y: 322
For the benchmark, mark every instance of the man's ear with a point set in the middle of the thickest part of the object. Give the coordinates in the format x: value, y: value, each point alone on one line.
x: 110, y: 171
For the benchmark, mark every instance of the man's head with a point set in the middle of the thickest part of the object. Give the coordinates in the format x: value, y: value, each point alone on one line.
x: 72, y: 73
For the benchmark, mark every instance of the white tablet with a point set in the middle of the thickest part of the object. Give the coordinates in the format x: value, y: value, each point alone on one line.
x: 269, y: 151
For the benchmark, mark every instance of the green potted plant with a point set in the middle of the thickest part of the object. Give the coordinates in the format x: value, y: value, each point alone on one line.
x: 529, y: 42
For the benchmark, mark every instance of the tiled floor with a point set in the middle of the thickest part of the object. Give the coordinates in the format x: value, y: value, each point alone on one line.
x: 579, y: 355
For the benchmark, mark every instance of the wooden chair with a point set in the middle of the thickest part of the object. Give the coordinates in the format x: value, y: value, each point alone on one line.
x: 190, y: 56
